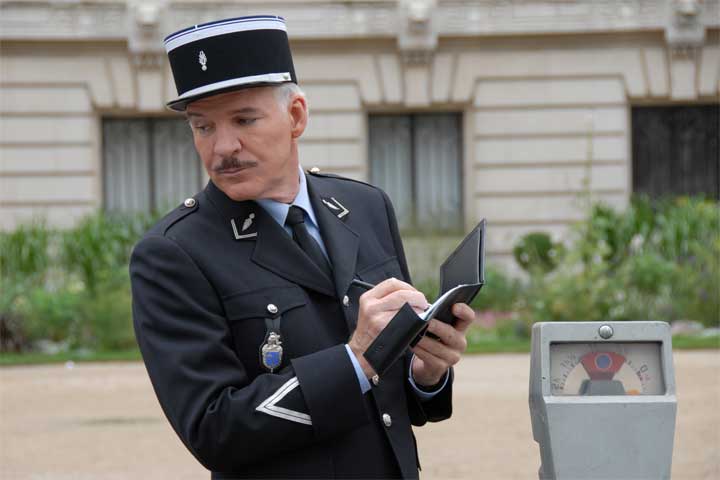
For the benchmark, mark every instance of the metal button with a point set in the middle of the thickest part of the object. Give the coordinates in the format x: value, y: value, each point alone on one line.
x: 606, y: 331
x: 387, y: 419
x: 272, y: 308
x: 346, y: 301
x: 189, y: 202
x: 314, y: 170
x: 375, y: 380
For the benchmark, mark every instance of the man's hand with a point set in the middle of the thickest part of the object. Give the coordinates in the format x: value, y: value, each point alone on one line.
x: 377, y: 307
x: 434, y: 357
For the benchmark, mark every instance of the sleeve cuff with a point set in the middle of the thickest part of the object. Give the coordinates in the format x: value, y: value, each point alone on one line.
x: 422, y: 394
x: 364, y: 382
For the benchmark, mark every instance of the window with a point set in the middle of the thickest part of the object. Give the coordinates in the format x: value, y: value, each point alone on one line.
x: 149, y: 164
x: 416, y: 159
x: 675, y: 150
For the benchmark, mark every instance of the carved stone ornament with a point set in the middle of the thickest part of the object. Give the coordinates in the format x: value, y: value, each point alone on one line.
x: 417, y: 35
x: 685, y: 32
x: 145, y: 33
x: 415, y: 21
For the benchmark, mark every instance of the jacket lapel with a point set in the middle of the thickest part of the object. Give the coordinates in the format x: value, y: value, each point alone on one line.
x: 341, y: 242
x: 274, y: 249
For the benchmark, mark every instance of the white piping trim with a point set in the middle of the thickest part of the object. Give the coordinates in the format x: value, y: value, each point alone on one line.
x: 207, y: 31
x: 264, y: 78
x: 269, y: 405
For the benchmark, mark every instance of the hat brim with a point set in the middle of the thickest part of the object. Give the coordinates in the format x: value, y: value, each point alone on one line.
x: 180, y: 104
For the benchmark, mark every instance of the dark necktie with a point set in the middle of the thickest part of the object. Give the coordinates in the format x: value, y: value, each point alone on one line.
x: 296, y: 221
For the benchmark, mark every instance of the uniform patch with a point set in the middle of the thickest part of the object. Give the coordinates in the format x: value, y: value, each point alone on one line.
x: 247, y: 228
x: 269, y: 405
x: 337, y: 208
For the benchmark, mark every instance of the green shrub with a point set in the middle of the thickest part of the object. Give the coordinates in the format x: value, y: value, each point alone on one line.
x: 51, y: 315
x: 100, y: 245
x: 24, y: 262
x: 537, y: 253
x: 106, y: 317
x: 69, y: 287
x: 499, y: 292
x: 655, y: 261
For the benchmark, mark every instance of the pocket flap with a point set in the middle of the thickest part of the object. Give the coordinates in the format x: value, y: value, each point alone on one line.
x: 258, y: 303
x: 380, y: 271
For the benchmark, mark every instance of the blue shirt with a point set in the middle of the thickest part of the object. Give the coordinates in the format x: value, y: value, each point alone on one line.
x: 278, y: 211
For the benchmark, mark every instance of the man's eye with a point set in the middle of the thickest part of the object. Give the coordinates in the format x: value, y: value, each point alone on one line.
x: 245, y: 121
x: 201, y: 128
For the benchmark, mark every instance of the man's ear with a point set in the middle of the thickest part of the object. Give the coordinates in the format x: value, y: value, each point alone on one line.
x: 298, y: 115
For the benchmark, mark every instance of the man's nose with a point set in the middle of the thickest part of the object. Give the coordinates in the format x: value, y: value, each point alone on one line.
x: 227, y: 142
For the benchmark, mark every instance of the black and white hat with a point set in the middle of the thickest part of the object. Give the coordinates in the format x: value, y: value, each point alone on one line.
x: 227, y: 55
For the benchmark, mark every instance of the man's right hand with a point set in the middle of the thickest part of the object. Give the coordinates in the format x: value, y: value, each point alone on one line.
x: 377, y: 307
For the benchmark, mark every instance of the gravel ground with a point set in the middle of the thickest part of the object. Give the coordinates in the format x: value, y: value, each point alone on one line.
x: 102, y: 421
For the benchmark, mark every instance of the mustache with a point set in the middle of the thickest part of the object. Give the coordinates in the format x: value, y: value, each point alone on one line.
x: 232, y: 163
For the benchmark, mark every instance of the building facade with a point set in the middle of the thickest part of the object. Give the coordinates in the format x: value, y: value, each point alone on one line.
x: 517, y: 111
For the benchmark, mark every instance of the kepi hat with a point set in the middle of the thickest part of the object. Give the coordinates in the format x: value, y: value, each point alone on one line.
x: 226, y: 55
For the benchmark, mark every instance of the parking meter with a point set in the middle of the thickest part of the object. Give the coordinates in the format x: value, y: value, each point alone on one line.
x: 602, y: 399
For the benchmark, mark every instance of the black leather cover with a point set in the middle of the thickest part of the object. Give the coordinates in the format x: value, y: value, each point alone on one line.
x: 404, y: 330
x: 465, y: 267
x: 463, y: 273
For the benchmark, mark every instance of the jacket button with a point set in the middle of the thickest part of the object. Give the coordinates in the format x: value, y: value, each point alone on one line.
x: 387, y: 419
x: 272, y: 308
x: 189, y: 202
x: 346, y: 301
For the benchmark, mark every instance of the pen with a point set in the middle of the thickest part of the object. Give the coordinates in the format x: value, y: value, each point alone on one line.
x: 361, y: 284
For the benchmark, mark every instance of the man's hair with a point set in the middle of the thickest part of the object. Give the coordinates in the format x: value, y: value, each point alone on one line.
x: 286, y: 91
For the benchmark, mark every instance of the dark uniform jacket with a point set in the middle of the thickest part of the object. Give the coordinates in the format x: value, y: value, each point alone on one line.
x: 210, y: 277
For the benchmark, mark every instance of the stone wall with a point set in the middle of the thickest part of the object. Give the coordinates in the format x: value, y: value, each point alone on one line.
x: 546, y: 112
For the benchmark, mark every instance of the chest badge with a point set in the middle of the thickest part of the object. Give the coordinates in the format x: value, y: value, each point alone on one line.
x: 246, y: 230
x: 337, y: 208
x: 202, y: 60
x: 271, y: 352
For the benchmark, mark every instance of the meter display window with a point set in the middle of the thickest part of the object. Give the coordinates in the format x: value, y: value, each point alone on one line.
x: 593, y: 368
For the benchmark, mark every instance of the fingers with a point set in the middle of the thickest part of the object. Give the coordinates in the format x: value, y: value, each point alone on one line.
x: 465, y: 317
x: 437, y: 353
x: 447, y: 334
x: 397, y: 299
x: 391, y: 295
x: 386, y: 287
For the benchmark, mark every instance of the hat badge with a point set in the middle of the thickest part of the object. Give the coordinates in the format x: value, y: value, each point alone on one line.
x: 202, y: 59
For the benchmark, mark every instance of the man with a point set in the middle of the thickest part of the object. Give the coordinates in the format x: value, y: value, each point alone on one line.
x: 244, y: 311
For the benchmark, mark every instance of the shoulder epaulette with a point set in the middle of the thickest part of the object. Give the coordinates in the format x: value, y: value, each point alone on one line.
x: 189, y: 206
x: 315, y: 172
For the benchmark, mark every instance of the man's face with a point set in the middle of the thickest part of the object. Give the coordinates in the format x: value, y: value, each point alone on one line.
x: 247, y: 142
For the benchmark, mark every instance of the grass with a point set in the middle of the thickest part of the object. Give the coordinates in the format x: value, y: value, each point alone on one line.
x: 34, y: 358
x: 476, y: 345
x: 499, y: 345
x: 688, y: 342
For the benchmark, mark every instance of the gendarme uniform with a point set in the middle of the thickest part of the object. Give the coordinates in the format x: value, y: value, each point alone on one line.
x: 242, y: 334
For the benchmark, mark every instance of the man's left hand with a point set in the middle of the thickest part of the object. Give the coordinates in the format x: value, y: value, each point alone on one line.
x: 434, y: 357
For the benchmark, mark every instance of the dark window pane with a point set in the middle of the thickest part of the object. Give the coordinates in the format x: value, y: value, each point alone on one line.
x: 675, y: 150
x: 437, y: 183
x: 177, y: 172
x: 126, y: 165
x: 149, y: 164
x: 416, y: 159
x: 391, y: 162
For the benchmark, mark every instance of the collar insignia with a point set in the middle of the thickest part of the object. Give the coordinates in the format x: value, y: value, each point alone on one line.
x: 244, y: 233
x: 202, y: 59
x: 335, y: 207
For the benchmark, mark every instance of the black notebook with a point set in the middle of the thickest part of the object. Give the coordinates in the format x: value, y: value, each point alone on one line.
x: 462, y: 275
